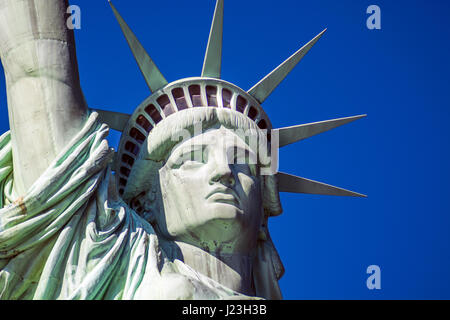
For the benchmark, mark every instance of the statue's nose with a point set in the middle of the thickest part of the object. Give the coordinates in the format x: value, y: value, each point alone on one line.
x: 222, y: 172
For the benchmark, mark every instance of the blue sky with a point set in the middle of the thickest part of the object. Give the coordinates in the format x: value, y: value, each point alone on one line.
x: 398, y: 155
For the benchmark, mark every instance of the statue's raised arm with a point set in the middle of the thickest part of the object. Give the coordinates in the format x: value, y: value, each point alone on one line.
x: 46, y: 107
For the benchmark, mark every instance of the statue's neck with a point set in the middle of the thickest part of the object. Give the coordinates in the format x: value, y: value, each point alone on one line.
x: 232, y: 270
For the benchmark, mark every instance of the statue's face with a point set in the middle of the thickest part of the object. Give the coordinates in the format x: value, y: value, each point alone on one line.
x: 211, y: 198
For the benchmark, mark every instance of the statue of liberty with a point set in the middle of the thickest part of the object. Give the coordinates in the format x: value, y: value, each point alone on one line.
x: 180, y: 211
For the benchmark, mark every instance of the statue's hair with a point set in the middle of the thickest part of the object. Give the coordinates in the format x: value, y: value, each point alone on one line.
x: 268, y: 268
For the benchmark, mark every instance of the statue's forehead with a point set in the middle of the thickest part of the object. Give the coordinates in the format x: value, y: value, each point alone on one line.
x: 220, y: 137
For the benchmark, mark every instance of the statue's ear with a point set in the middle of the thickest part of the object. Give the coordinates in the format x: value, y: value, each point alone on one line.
x: 271, y: 196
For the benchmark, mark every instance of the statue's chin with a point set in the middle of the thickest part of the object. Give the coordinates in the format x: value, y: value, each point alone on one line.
x: 227, y: 221
x: 222, y: 233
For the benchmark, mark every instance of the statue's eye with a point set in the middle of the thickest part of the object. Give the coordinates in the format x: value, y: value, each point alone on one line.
x: 198, y: 155
x: 245, y: 159
x: 191, y: 157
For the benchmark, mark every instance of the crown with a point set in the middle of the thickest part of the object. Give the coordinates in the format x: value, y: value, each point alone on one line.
x: 209, y: 90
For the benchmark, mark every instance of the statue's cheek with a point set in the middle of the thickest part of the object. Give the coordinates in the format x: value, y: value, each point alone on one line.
x: 249, y: 185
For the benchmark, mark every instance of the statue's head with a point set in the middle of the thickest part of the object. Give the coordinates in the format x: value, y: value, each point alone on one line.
x: 211, y: 191
x: 198, y: 158
x: 201, y: 180
x: 202, y: 174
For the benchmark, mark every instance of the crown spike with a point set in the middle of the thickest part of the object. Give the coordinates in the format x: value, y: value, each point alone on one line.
x: 294, y: 184
x: 115, y: 120
x: 154, y: 78
x: 294, y: 134
x: 265, y: 87
x: 213, y: 56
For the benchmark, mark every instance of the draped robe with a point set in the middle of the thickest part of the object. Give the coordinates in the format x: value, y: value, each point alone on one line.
x: 71, y: 237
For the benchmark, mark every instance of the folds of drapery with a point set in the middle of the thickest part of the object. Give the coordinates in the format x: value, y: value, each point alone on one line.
x: 72, y: 237
x: 5, y: 162
x: 69, y: 237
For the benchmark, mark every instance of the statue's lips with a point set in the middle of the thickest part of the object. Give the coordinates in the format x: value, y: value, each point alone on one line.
x: 224, y: 195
